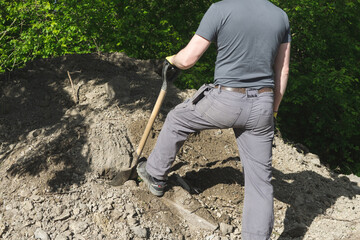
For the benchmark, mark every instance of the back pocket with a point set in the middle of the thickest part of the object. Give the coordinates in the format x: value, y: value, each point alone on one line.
x: 220, y: 114
x: 266, y: 113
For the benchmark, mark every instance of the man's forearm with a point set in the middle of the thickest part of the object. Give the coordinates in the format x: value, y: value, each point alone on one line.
x: 280, y: 88
x: 189, y: 55
x: 182, y: 60
x: 281, y: 71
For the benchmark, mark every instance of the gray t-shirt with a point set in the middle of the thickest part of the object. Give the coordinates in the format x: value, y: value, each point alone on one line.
x: 248, y: 34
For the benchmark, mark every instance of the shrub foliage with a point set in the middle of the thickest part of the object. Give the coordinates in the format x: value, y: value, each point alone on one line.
x: 321, y: 106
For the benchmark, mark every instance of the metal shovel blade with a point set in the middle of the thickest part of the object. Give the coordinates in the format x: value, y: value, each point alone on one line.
x: 122, y: 176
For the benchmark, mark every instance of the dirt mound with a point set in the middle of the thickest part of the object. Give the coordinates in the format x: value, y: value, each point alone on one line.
x: 68, y: 124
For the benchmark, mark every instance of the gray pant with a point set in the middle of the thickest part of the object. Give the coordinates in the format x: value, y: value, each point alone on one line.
x: 251, y: 117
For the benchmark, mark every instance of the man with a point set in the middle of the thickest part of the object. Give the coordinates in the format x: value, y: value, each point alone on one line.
x: 251, y: 73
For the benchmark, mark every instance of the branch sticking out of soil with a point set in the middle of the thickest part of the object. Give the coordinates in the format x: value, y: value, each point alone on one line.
x: 76, y: 100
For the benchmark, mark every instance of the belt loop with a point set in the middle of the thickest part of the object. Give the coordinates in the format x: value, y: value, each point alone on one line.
x: 219, y: 89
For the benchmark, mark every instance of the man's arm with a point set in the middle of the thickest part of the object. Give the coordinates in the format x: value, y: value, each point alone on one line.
x: 189, y: 55
x: 281, y: 71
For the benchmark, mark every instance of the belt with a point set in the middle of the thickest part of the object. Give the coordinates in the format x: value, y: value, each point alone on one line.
x: 243, y: 90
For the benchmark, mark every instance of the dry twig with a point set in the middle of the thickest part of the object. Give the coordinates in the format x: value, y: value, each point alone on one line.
x: 73, y: 89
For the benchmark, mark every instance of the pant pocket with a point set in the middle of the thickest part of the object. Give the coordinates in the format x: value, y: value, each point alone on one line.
x: 218, y: 113
x: 265, y: 114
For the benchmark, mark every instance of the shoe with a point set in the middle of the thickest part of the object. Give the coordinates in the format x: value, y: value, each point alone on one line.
x: 155, y: 186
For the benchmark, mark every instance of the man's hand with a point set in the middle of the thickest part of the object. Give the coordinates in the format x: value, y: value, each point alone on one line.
x: 169, y: 59
x: 172, y: 72
x: 275, y: 116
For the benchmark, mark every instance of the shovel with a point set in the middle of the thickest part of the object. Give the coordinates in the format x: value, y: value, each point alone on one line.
x: 125, y: 174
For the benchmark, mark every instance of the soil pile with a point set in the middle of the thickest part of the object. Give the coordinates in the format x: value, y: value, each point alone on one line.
x: 68, y: 124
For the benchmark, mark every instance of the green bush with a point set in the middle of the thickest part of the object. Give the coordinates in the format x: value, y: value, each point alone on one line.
x: 322, y: 105
x: 31, y: 29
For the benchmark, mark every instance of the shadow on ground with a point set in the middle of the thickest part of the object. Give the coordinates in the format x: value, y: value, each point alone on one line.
x: 207, y: 178
x: 309, y: 195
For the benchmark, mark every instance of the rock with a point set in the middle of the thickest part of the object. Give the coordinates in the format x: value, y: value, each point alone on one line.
x: 106, y: 206
x: 110, y: 195
x: 132, y: 221
x: 83, y: 208
x: 140, y: 231
x: 38, y: 216
x: 226, y: 228
x: 41, y: 234
x: 24, y: 193
x: 78, y: 227
x: 75, y: 197
x: 27, y: 206
x: 66, y: 214
x: 76, y: 211
x: 64, y: 227
x: 59, y: 209
x: 130, y: 209
x: 61, y: 237
x: 116, y: 214
x: 195, y: 222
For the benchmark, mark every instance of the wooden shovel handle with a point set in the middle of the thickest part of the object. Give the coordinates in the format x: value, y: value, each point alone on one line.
x: 150, y: 123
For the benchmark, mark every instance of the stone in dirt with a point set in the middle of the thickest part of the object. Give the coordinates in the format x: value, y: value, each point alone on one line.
x: 41, y: 234
x: 194, y: 221
x: 27, y: 206
x: 78, y: 227
x: 226, y: 228
x: 66, y: 214
x: 140, y: 231
x: 61, y: 237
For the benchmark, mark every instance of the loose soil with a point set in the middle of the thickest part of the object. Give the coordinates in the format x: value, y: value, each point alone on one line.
x: 69, y: 124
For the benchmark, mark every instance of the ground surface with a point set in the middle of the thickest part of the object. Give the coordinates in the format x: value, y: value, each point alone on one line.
x: 62, y: 141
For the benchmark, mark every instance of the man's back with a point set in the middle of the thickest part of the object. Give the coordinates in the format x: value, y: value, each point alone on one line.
x: 248, y: 34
